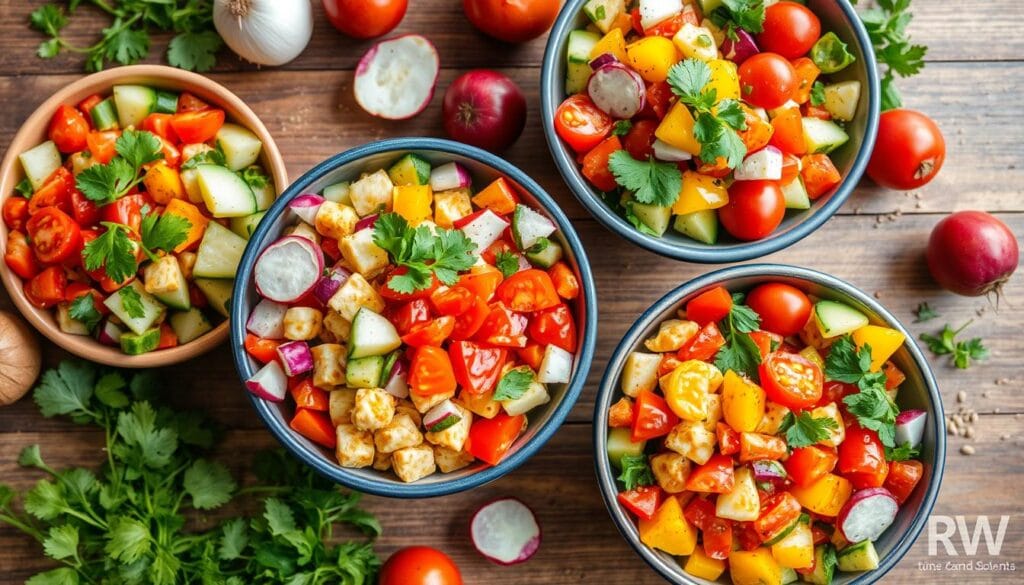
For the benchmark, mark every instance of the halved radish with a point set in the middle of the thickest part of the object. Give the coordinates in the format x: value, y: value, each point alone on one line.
x: 765, y: 164
x: 305, y: 206
x: 109, y: 334
x: 867, y: 514
x: 505, y: 531
x: 395, y: 79
x: 910, y: 427
x: 398, y: 385
x: 267, y: 319
x: 270, y: 383
x: 288, y: 269
x: 617, y: 90
x: 450, y: 176
x: 441, y: 417
x: 483, y: 228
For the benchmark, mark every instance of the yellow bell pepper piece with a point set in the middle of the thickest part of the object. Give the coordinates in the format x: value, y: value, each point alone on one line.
x: 695, y: 42
x: 725, y: 79
x: 700, y: 192
x: 676, y: 128
x: 755, y: 567
x: 668, y: 530
x: 413, y: 202
x: 195, y: 218
x: 743, y: 403
x: 883, y: 341
x: 163, y: 184
x: 702, y: 566
x: 614, y: 42
x: 825, y: 496
x: 652, y: 57
x: 686, y: 389
x: 796, y: 549
x: 812, y: 355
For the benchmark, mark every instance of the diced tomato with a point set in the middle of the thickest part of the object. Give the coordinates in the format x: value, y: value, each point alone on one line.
x: 77, y: 289
x: 502, y: 327
x: 85, y: 106
x: 315, y: 426
x: 643, y: 501
x: 670, y: 26
x: 790, y: 169
x: 68, y: 129
x: 261, y: 349
x: 778, y: 512
x: 500, y: 197
x: 903, y: 478
x: 716, y: 476
x: 806, y: 465
x: 835, y: 392
x: 708, y: 306
x: 704, y: 345
x: 807, y: 73
x: 718, y: 539
x: 392, y: 295
x: 195, y: 127
x: 659, y: 100
x: 728, y: 439
x: 746, y: 536
x: 621, y: 414
x: 818, y: 535
x: 84, y: 210
x: 190, y: 103
x: 757, y: 446
x: 431, y: 372
x: 55, y: 192
x: 554, y: 326
x: 699, y: 512
x: 196, y: 296
x: 168, y: 338
x: 432, y: 332
x: 452, y: 301
x: 533, y: 356
x: 127, y: 210
x: 54, y: 235
x: 566, y: 284
x: 766, y: 341
x: 490, y: 255
x: 668, y: 364
x: 330, y: 248
x: 407, y: 315
x: 595, y: 164
x: 819, y: 174
x: 862, y: 458
x: 172, y: 156
x: 758, y: 131
x: 160, y: 125
x: 18, y: 255
x: 528, y: 291
x: 306, y: 395
x: 893, y: 375
x: 477, y: 368
x: 47, y: 288
x: 811, y: 111
x: 788, y: 133
x: 15, y: 212
x: 490, y: 438
x: 469, y: 323
x: 639, y: 141
x: 102, y: 145
x: 653, y: 417
x: 482, y: 281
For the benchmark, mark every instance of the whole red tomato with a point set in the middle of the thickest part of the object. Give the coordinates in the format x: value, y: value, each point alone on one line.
x: 754, y: 210
x: 419, y: 565
x: 909, y: 150
x: 365, y: 19
x: 784, y: 309
x: 512, y: 21
x: 767, y: 80
x: 790, y: 29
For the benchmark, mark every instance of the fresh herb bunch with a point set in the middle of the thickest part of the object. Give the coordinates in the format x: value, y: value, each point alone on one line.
x: 716, y: 121
x: 651, y: 182
x: 424, y: 253
x: 960, y: 352
x: 127, y: 523
x: 887, y: 27
x: 114, y: 250
x: 871, y: 405
x: 740, y: 354
x: 127, y: 39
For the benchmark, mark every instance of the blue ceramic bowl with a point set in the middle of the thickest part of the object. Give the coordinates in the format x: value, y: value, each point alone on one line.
x: 918, y: 391
x: 484, y: 167
x: 851, y: 159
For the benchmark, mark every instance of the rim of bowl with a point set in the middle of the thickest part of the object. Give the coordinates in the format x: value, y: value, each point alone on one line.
x: 162, y: 76
x: 607, y: 389
x: 687, y: 252
x: 312, y: 456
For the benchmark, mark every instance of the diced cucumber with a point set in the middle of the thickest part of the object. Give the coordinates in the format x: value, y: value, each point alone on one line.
x: 544, y: 253
x: 245, y: 226
x: 372, y: 334
x: 166, y: 274
x: 151, y: 308
x: 224, y: 192
x: 795, y: 195
x: 338, y: 193
x: 189, y: 325
x: 823, y: 135
x: 134, y: 103
x: 135, y: 344
x: 389, y: 364
x: 824, y: 565
x: 789, y: 576
x: 535, y: 395
x: 240, y: 146
x: 410, y: 170
x: 604, y: 12
x: 835, y: 319
x: 67, y: 324
x: 858, y: 557
x: 709, y: 6
x: 364, y: 372
x: 219, y: 253
x: 785, y: 532
x: 217, y: 292
x: 39, y: 162
x: 841, y: 99
x: 577, y: 69
x: 104, y: 115
x: 700, y: 225
x: 620, y: 445
x: 654, y: 217
x: 528, y: 227
x: 265, y: 195
x: 166, y: 102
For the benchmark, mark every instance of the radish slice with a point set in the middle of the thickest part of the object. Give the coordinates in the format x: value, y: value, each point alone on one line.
x: 395, y: 79
x: 617, y: 90
x: 270, y: 383
x: 367, y: 222
x: 441, y: 417
x: 296, y: 357
x: 267, y: 320
x: 602, y: 60
x: 910, y: 427
x: 109, y: 334
x: 765, y: 164
x: 741, y: 49
x: 505, y: 531
x: 867, y: 514
x: 449, y: 176
x: 667, y: 152
x: 288, y: 269
x: 485, y: 229
x: 305, y: 206
x: 330, y: 283
x: 556, y: 366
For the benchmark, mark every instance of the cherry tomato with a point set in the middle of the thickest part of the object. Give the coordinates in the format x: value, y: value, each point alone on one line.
x: 18, y: 255
x: 412, y: 313
x: 709, y: 306
x: 195, y: 127
x: 909, y: 150
x: 806, y: 465
x: 55, y: 192
x: 767, y: 80
x: 482, y: 281
x: 528, y: 291
x: 653, y: 417
x: 502, y: 327
x: 190, y: 103
x: 903, y: 477
x: 452, y: 301
x: 581, y: 124
x: 594, y: 165
x: 127, y: 210
x: 431, y: 372
x: 790, y: 29
x: 84, y: 210
x: 862, y: 458
x: 15, y: 212
x: 554, y: 326
x: 754, y: 210
x: 642, y: 501
x: 512, y: 22
x: 430, y: 333
x: 491, y: 438
x: 477, y: 368
x: 791, y: 380
x: 639, y: 139
x: 160, y: 125
x: 55, y: 236
x: 68, y: 129
x: 468, y: 323
x: 784, y: 309
x: 102, y: 145
x: 365, y: 19
x: 47, y: 288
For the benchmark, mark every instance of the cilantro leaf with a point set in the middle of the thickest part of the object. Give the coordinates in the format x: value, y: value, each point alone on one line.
x: 652, y: 182
x: 114, y: 251
x: 740, y: 354
x: 923, y: 313
x: 209, y: 484
x: 145, y: 444
x: 743, y: 318
x: 61, y: 576
x: 255, y: 177
x: 213, y: 156
x: 31, y: 457
x: 138, y: 147
x: 746, y: 14
x: 514, y: 384
x: 961, y: 352
x: 24, y: 188
x: 48, y: 19
x: 280, y: 518
x: 131, y: 300
x: 622, y: 127
x: 635, y: 471
x: 234, y: 540
x: 902, y: 452
x: 122, y: 44
x: 507, y: 263
x: 105, y: 183
x: 817, y: 93
x: 443, y: 253
x: 61, y: 542
x: 164, y: 232
x: 731, y: 114
x: 83, y: 309
x: 845, y: 363
x: 886, y: 26
x: 718, y: 140
x: 129, y: 540
x: 874, y: 410
x: 194, y: 51
x: 807, y: 430
x: 687, y: 79
x: 66, y: 390
x: 452, y: 254
x: 110, y: 390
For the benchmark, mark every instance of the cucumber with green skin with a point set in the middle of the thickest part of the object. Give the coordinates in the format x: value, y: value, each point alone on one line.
x: 372, y: 335
x: 544, y: 254
x: 224, y: 192
x: 700, y: 225
x: 189, y: 325
x: 136, y: 344
x: 166, y: 102
x: 218, y: 292
x: 151, y: 308
x: 858, y: 557
x: 134, y: 103
x: 577, y: 68
x: 364, y: 372
x: 620, y: 445
x: 824, y: 565
x: 241, y: 147
x: 823, y: 136
x: 104, y: 115
x: 835, y: 318
x: 410, y: 170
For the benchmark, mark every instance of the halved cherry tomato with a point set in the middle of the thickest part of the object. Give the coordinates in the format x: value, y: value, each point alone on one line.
x: 482, y: 281
x: 639, y: 141
x: 791, y: 380
x: 127, y: 210
x: 15, y: 212
x: 704, y: 345
x: 431, y: 372
x: 778, y: 513
x: 819, y: 174
x: 765, y: 341
x: 190, y: 103
x: 262, y: 349
x: 431, y: 333
x: 581, y: 124
x: 490, y: 255
x: 653, y: 417
x: 709, y: 306
x: 392, y: 295
x: 160, y: 125
x: 490, y: 438
x: 670, y: 26
x: 306, y: 395
x: 788, y: 133
x: 718, y: 539
x: 728, y: 439
x: 452, y: 301
x: 194, y: 127
x: 533, y: 356
x: 405, y: 316
x: 566, y: 284
x: 55, y: 236
x: 477, y: 368
x: 806, y: 465
x: 315, y: 426
x: 102, y: 145
x: 903, y: 478
x: 594, y: 164
x: 502, y: 327
x: 862, y: 458
x: 18, y: 255
x: 55, y: 192
x: 554, y: 326
x: 643, y: 501
x: 168, y: 338
x: 468, y: 323
x: 47, y: 288
x: 528, y: 291
x: 68, y: 129
x: 834, y: 391
x: 714, y: 477
x: 84, y: 210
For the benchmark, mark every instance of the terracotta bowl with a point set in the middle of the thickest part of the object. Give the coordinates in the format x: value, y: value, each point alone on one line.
x: 34, y: 131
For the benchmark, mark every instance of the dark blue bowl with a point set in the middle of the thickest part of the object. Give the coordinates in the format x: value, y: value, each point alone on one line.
x: 851, y: 159
x: 484, y: 167
x: 918, y: 391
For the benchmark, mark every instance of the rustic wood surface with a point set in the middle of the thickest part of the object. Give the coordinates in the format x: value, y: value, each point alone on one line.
x: 970, y: 86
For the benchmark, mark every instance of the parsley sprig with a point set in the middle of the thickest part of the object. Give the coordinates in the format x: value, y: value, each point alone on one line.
x: 871, y: 405
x: 740, y: 354
x: 422, y: 252
x: 636, y: 471
x: 716, y: 122
x: 514, y: 384
x: 924, y: 312
x: 651, y: 181
x: 960, y: 352
x: 109, y: 182
x: 507, y: 262
x: 887, y: 27
x: 803, y: 430
x: 114, y: 249
x: 745, y: 14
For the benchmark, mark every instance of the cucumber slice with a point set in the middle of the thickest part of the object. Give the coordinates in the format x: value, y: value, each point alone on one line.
x: 823, y: 135
x: 219, y: 253
x: 217, y: 292
x: 700, y: 225
x: 824, y: 565
x: 240, y: 146
x: 603, y: 12
x: 166, y: 102
x: 39, y: 162
x: 389, y: 365
x: 189, y: 324
x: 224, y: 192
x: 364, y: 372
x: 789, y: 576
x: 372, y: 334
x: 620, y: 445
x: 528, y: 227
x: 410, y: 170
x: 654, y: 217
x: 134, y: 103
x: 166, y: 273
x: 795, y: 195
x: 709, y: 6
x: 265, y: 195
x: 835, y: 319
x: 858, y: 557
x: 338, y: 193
x: 544, y: 253
x: 144, y: 342
x: 245, y: 226
x: 785, y: 532
x: 151, y: 308
x: 577, y: 70
x: 104, y: 115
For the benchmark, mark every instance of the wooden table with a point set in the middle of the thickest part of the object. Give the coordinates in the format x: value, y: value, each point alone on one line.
x: 971, y: 86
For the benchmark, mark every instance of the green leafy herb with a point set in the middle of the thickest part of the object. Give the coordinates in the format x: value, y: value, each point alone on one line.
x: 114, y: 251
x: 109, y: 182
x: 887, y: 27
x: 24, y: 188
x: 255, y: 177
x: 745, y: 14
x: 871, y: 405
x: 716, y: 121
x: 213, y: 156
x: 622, y: 127
x: 817, y: 93
x: 194, y: 51
x: 163, y: 232
x: 514, y: 384
x: 443, y: 253
x: 807, y: 430
x: 507, y: 263
x: 83, y: 309
x: 876, y: 411
x: 846, y: 363
x: 652, y: 182
x: 961, y: 352
x: 635, y: 472
x: 131, y: 300
x: 740, y: 354
x: 923, y: 313
x: 902, y: 452
x: 831, y: 54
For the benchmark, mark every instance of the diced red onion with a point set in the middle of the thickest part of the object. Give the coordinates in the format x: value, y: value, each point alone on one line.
x: 295, y: 357
x: 366, y: 222
x: 741, y: 49
x: 335, y: 278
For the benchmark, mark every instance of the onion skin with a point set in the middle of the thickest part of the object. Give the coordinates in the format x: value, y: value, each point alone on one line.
x: 20, y: 359
x: 972, y: 253
x: 484, y: 108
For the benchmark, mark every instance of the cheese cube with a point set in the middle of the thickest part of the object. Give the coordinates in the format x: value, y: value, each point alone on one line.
x: 425, y: 403
x: 354, y: 294
x: 696, y: 42
x: 355, y: 447
x: 480, y: 404
x: 413, y: 463
x: 400, y: 433
x: 372, y: 193
x: 328, y: 365
x: 382, y: 461
x: 406, y: 407
x: 302, y: 323
x: 341, y: 403
x: 670, y: 471
x: 335, y: 220
x: 373, y: 409
x: 186, y: 261
x: 163, y: 276
x: 672, y: 335
x: 692, y: 440
x: 449, y: 461
x: 451, y: 205
x: 366, y: 257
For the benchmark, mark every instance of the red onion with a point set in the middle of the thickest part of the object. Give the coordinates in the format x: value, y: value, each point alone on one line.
x: 335, y: 278
x: 972, y: 253
x: 741, y: 49
x: 366, y: 222
x: 602, y: 60
x: 484, y: 108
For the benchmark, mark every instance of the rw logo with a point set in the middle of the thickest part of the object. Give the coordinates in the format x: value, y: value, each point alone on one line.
x: 944, y: 528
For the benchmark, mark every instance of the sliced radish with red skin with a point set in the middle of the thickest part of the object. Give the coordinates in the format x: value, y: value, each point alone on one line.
x: 288, y: 269
x: 305, y: 206
x: 617, y: 90
x: 910, y: 427
x: 395, y: 79
x: 867, y: 514
x: 109, y: 334
x: 267, y: 319
x: 367, y: 222
x: 505, y: 531
x: 398, y: 385
x: 450, y: 176
x: 269, y: 383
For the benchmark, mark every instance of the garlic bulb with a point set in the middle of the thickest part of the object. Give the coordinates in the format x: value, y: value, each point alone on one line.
x: 265, y: 32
